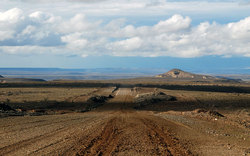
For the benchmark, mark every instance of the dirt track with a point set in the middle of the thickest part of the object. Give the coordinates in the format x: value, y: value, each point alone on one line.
x: 113, y: 129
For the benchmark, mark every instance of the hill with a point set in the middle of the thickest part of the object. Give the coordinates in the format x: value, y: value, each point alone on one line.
x: 2, y: 79
x: 180, y: 74
x: 1, y: 76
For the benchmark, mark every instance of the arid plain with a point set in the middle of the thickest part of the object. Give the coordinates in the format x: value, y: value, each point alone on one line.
x: 125, y: 117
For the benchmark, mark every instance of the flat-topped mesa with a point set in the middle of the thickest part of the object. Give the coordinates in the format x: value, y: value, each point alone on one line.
x: 179, y: 74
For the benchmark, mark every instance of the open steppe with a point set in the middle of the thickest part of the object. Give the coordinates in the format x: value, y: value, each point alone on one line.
x: 105, y: 118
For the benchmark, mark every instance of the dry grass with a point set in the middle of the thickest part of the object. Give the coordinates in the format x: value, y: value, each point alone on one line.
x: 191, y: 100
x: 20, y: 95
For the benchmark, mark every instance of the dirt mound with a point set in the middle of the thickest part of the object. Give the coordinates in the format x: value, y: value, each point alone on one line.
x: 96, y: 101
x: 152, y: 97
x: 37, y: 112
x: 177, y: 73
x: 215, y: 113
x: 4, y: 107
x: 209, y: 112
x: 136, y: 89
x: 99, y: 98
x: 6, y: 110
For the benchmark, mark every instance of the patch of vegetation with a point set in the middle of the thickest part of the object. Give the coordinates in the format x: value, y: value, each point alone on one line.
x: 151, y: 98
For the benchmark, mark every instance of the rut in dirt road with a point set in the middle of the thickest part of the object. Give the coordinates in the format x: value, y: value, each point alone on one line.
x: 165, y: 142
x: 104, y: 143
x: 133, y: 134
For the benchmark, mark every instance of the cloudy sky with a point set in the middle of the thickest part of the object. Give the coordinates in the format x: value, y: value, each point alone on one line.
x: 99, y: 33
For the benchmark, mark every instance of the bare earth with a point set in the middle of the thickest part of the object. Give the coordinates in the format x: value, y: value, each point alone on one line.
x: 116, y: 128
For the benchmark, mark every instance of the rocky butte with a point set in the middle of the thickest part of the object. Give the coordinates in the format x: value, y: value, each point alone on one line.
x: 180, y: 74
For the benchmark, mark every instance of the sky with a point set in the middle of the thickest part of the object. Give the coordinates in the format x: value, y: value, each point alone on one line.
x: 125, y: 34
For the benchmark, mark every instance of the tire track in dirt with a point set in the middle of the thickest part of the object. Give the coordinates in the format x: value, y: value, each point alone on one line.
x: 166, y: 143
x: 77, y: 138
x: 39, y: 125
x: 13, y: 147
x: 104, y: 143
x: 83, y: 139
x: 110, y: 141
x: 61, y: 131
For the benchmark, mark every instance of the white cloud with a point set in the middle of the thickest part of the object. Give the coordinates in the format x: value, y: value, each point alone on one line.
x: 28, y: 30
x: 130, y: 8
x: 175, y: 23
x: 75, y: 41
x: 78, y: 23
x: 9, y: 22
x: 84, y: 55
x: 41, y: 17
x: 23, y: 50
x: 44, y: 32
x: 53, y: 1
x: 6, y: 34
x: 241, y: 29
x: 11, y: 16
x: 126, y: 45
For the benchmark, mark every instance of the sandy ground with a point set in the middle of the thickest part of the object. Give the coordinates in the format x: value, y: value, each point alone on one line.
x: 116, y: 128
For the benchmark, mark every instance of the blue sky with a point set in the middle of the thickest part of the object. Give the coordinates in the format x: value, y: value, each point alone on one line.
x: 138, y: 33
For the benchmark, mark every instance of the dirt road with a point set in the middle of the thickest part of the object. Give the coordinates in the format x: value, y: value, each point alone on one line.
x: 113, y: 129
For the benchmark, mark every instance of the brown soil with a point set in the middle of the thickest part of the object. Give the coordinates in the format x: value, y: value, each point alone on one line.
x: 115, y: 128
